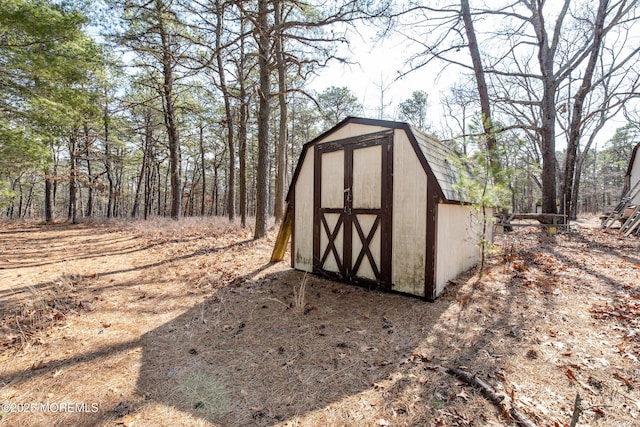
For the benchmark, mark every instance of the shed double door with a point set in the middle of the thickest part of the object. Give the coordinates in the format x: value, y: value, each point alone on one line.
x: 352, y: 209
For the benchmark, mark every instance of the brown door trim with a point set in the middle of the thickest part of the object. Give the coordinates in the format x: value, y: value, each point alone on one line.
x: 331, y: 243
x: 366, y: 250
x: 431, y: 240
x: 348, y: 268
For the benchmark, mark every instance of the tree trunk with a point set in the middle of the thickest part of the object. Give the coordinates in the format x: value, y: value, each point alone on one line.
x: 11, y: 206
x: 167, y: 181
x: 242, y: 131
x: 73, y: 178
x: 21, y: 198
x: 167, y: 59
x: 483, y: 92
x: 86, y: 150
x: 170, y: 123
x: 203, y: 202
x: 48, y: 196
x: 291, y: 162
x: 548, y: 150
x: 135, y: 211
x: 231, y: 201
x: 117, y: 196
x: 161, y: 202
x: 189, y: 205
x: 575, y: 127
x: 89, y: 211
x: 262, y: 179
x: 54, y: 190
x: 112, y: 192
x: 573, y: 213
x: 548, y: 108
x: 27, y: 207
x: 282, y: 129
x: 148, y: 188
x: 108, y: 164
x: 242, y: 154
x: 214, y: 194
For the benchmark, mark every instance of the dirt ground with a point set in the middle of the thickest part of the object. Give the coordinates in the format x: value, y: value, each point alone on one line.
x: 164, y: 323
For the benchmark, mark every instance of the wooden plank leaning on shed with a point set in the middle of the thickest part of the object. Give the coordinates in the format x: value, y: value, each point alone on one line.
x: 280, y: 248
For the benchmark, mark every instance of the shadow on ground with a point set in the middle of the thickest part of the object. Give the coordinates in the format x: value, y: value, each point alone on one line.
x: 249, y: 356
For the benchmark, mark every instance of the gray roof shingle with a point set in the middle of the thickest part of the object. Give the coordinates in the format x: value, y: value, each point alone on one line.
x: 442, y: 161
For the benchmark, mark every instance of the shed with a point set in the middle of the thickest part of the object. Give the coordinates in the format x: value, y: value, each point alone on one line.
x: 633, y: 176
x: 374, y: 203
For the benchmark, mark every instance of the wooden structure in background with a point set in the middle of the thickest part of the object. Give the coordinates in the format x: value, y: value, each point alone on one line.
x: 374, y: 203
x: 551, y: 222
x: 627, y: 212
x: 632, y: 176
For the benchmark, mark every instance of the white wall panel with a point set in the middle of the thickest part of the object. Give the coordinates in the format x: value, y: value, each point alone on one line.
x: 350, y: 130
x: 303, y: 224
x: 459, y: 232
x: 367, y: 177
x: 409, y: 218
x: 365, y: 270
x: 331, y: 263
x: 332, y: 176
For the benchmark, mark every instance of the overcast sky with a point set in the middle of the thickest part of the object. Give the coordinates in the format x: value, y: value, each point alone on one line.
x: 376, y: 65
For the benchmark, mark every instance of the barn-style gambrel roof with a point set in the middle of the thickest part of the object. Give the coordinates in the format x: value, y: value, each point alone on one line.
x: 436, y: 158
x: 441, y: 160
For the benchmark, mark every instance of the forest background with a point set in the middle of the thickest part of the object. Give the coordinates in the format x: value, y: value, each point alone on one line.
x: 192, y: 108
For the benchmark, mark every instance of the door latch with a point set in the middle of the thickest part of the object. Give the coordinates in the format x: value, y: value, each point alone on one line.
x: 347, y: 200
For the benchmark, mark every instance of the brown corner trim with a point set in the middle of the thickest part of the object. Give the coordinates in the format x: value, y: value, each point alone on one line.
x: 430, y: 250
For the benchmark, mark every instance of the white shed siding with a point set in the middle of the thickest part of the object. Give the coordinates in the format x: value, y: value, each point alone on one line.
x: 331, y: 264
x: 332, y: 191
x: 459, y: 232
x: 635, y: 177
x: 409, y: 218
x: 365, y: 270
x: 367, y: 178
x: 303, y: 224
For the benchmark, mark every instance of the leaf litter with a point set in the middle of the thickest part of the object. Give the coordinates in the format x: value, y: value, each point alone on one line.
x: 187, y: 324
